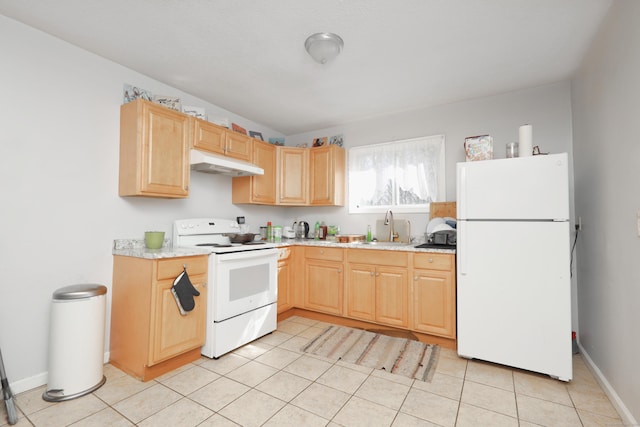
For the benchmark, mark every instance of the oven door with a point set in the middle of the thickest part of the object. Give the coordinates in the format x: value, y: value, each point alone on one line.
x: 243, y: 281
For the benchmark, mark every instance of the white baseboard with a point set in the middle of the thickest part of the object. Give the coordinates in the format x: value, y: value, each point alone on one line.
x: 627, y: 418
x: 38, y: 380
x: 30, y: 383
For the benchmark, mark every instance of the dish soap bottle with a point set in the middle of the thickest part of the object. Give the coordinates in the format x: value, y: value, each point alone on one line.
x: 323, y: 231
x: 368, y: 233
x: 316, y: 231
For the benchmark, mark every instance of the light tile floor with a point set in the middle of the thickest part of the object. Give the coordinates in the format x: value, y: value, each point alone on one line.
x: 270, y: 382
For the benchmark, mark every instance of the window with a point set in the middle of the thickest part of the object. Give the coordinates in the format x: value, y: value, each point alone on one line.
x: 404, y: 176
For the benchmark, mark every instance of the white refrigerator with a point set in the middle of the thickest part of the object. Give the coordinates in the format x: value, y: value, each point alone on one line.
x: 513, y: 255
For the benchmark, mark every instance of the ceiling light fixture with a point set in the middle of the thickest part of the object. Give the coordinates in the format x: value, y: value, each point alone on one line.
x: 323, y: 47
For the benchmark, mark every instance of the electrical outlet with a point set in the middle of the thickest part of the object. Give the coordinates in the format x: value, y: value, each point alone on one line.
x: 579, y: 224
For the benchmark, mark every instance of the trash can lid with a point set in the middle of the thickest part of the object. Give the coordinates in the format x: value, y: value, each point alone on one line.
x: 79, y: 291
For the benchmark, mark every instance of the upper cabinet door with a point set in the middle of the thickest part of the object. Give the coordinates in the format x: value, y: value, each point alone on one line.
x: 216, y: 139
x: 238, y: 146
x: 293, y: 166
x: 327, y: 170
x: 209, y: 137
x: 264, y: 186
x: 154, y: 151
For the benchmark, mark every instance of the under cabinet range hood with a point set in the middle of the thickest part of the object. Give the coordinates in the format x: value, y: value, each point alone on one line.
x: 211, y: 163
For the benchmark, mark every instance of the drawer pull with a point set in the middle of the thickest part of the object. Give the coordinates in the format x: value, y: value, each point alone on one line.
x: 430, y: 259
x: 377, y: 274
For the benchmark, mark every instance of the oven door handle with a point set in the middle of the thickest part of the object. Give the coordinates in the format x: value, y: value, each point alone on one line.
x: 259, y: 253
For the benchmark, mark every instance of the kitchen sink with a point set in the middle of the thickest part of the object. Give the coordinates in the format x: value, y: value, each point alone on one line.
x: 377, y: 243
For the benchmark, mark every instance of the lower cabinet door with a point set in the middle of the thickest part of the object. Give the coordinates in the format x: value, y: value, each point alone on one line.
x: 173, y: 333
x: 361, y: 292
x: 392, y: 297
x: 323, y: 286
x: 434, y: 303
x: 284, y: 286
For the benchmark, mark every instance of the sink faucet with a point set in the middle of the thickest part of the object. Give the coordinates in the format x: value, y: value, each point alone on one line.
x: 388, y: 220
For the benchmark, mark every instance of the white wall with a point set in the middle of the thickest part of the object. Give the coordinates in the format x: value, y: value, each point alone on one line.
x: 59, y: 139
x: 606, y: 105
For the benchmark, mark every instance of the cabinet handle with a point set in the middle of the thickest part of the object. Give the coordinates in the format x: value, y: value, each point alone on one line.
x: 204, y: 285
x: 430, y: 259
x: 339, y: 270
x: 321, y: 252
x: 377, y: 274
x: 372, y: 273
x: 415, y: 278
x: 185, y: 266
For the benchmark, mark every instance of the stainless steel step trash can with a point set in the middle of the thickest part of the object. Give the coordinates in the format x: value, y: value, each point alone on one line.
x: 76, y: 342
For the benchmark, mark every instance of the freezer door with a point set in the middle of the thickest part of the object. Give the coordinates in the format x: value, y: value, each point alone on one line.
x: 514, y: 296
x: 522, y: 188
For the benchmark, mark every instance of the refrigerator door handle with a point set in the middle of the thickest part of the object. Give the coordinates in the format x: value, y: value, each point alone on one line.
x: 461, y: 253
x: 462, y: 192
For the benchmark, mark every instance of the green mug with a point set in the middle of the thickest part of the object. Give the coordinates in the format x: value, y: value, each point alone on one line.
x: 153, y: 239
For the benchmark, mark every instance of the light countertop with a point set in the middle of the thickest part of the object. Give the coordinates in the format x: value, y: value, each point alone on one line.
x: 380, y: 246
x: 135, y: 248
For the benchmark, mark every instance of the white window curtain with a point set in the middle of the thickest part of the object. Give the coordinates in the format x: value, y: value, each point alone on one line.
x: 403, y: 175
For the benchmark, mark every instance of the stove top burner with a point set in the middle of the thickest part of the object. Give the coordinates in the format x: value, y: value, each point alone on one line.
x: 215, y: 245
x: 253, y: 243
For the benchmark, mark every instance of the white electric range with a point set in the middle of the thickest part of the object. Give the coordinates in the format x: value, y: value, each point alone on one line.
x: 242, y: 283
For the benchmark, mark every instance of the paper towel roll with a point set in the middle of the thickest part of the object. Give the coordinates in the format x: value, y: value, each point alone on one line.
x: 525, y: 141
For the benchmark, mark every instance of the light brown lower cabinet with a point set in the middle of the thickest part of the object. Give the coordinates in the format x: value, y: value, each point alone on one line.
x: 377, y: 287
x: 284, y: 280
x: 406, y: 290
x: 324, y: 279
x: 434, y: 294
x: 149, y: 336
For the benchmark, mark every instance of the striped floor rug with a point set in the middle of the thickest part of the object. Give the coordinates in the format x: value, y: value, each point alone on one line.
x: 412, y: 359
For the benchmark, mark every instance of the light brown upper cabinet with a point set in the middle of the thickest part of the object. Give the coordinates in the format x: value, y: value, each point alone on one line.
x: 154, y: 151
x: 293, y: 167
x: 305, y: 176
x: 258, y: 189
x: 218, y: 140
x: 326, y: 176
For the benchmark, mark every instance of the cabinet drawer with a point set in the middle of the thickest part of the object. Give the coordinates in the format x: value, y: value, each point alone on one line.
x: 284, y: 254
x: 170, y: 268
x: 377, y: 257
x: 330, y: 254
x: 433, y: 261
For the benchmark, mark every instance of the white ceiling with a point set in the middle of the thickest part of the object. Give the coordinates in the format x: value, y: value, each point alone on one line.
x: 248, y: 56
